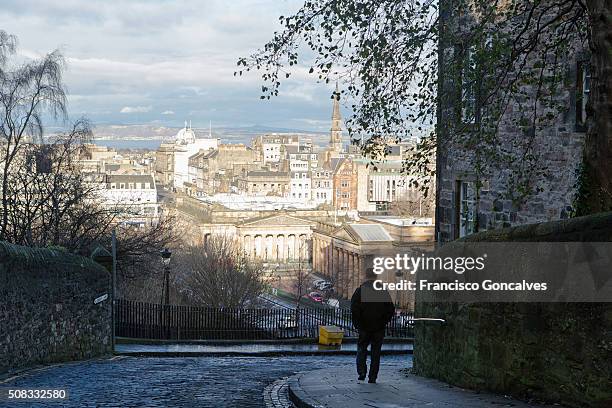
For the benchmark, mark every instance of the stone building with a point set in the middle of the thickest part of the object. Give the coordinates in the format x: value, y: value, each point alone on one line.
x: 277, y: 238
x: 264, y: 182
x: 172, y: 159
x: 298, y: 158
x: 345, y: 184
x: 164, y: 164
x: 342, y: 253
x: 214, y: 170
x: 94, y: 158
x: 268, y: 146
x: 322, y: 185
x: 301, y: 185
x: 469, y: 200
x: 133, y: 196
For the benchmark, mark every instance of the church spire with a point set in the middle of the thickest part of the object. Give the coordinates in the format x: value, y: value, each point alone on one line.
x: 336, y: 117
x: 335, y: 139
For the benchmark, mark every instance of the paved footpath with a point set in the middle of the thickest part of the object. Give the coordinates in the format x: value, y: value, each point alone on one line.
x: 338, y: 388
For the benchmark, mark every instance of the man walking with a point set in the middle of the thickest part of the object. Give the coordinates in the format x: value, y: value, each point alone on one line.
x: 371, y: 310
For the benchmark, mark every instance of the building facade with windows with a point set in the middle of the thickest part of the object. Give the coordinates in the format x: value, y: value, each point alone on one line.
x: 342, y: 253
x: 474, y: 190
x: 322, y: 186
x: 133, y: 196
x: 269, y: 146
x: 263, y: 182
x: 345, y: 184
x: 301, y: 184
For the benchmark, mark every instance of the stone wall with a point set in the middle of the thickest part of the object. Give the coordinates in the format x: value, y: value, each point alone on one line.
x: 554, y: 149
x: 557, y: 352
x: 47, y: 311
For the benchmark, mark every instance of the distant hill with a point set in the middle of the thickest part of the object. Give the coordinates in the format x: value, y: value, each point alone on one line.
x: 227, y: 134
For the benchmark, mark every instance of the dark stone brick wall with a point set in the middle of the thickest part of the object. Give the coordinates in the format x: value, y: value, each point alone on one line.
x: 47, y: 311
x: 557, y: 144
x: 557, y: 352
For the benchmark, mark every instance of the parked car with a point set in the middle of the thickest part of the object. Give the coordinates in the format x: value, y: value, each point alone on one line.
x: 326, y: 286
x: 333, y: 303
x: 322, y: 284
x: 315, y: 296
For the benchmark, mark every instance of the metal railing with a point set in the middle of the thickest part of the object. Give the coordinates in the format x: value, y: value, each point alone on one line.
x: 172, y: 322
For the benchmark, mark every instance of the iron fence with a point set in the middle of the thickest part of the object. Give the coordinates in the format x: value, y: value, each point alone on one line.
x: 174, y: 322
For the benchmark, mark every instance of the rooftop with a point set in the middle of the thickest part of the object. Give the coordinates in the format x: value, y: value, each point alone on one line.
x: 401, y: 221
x: 371, y: 232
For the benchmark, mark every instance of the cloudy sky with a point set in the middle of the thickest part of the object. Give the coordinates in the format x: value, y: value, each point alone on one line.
x: 166, y: 61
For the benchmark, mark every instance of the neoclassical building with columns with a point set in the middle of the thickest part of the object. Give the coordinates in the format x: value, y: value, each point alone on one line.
x: 279, y: 238
x: 342, y: 253
x: 274, y: 238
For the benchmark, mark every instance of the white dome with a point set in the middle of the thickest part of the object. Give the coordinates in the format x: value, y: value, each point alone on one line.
x: 186, y: 135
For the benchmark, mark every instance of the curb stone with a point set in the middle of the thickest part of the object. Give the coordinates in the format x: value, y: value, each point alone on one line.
x: 297, y: 395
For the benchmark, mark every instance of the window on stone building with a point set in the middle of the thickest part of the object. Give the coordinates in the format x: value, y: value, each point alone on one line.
x: 466, y: 207
x: 583, y: 87
x: 469, y: 77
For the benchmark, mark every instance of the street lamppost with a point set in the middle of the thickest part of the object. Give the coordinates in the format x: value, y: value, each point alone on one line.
x: 166, y: 254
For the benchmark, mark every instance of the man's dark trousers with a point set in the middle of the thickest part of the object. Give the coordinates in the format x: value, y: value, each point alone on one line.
x: 375, y: 340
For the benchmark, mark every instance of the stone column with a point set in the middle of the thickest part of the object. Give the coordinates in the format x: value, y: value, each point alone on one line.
x: 269, y: 248
x: 330, y: 254
x: 325, y: 258
x: 279, y: 248
x: 328, y: 260
x: 356, y: 281
x: 315, y: 254
x: 319, y: 255
x: 274, y: 245
x: 336, y: 265
x: 342, y: 275
x: 349, y: 273
x: 245, y: 245
x: 290, y: 246
x: 257, y: 249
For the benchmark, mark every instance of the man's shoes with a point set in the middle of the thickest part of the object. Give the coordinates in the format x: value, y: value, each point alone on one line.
x: 361, y: 378
x: 372, y: 381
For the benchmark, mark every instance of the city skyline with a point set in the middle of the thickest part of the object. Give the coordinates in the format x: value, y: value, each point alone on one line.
x: 114, y: 73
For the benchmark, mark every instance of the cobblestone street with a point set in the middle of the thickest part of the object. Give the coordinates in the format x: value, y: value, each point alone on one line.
x: 174, y: 382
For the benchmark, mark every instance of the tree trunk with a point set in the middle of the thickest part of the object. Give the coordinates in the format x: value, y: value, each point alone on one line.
x: 598, y: 146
